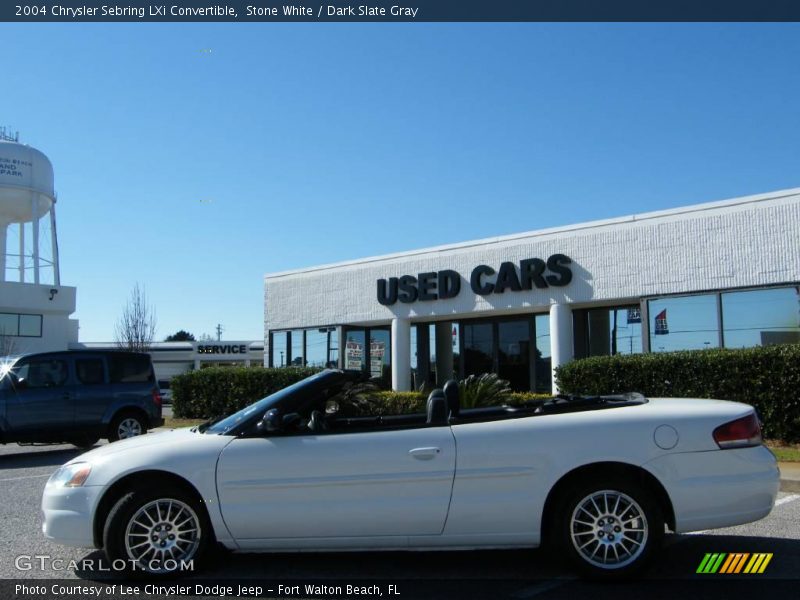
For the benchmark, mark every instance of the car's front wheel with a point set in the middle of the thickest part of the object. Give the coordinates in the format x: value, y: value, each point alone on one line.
x: 156, y: 532
x: 611, y: 528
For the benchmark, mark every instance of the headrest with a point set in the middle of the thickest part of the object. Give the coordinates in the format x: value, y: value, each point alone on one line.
x: 452, y: 396
x: 437, y: 408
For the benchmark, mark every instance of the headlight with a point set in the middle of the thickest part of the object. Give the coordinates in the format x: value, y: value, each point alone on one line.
x: 73, y: 475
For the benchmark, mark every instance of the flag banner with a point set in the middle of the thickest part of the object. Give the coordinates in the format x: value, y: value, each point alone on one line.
x: 634, y: 315
x: 661, y: 323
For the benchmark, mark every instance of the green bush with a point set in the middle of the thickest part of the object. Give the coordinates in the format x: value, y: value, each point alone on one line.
x: 219, y: 391
x: 766, y: 377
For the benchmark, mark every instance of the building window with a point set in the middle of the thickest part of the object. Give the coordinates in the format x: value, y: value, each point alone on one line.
x: 607, y: 331
x: 684, y: 323
x: 17, y: 325
x: 543, y: 382
x: 279, y: 349
x: 380, y: 359
x: 298, y: 349
x: 510, y: 347
x: 761, y: 317
x: 322, y: 347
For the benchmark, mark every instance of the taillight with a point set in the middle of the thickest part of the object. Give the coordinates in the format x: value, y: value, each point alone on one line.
x: 740, y: 433
x: 157, y: 397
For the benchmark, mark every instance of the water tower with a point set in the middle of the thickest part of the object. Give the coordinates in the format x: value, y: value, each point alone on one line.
x: 26, y: 196
x: 35, y: 308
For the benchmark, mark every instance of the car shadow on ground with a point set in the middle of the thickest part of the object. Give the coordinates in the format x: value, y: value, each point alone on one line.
x: 33, y: 458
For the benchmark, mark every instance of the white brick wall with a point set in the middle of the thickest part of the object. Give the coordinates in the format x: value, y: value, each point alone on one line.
x: 743, y: 242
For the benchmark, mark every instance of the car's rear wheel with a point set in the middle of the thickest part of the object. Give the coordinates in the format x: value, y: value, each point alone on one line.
x: 611, y: 528
x: 156, y: 532
x: 125, y: 426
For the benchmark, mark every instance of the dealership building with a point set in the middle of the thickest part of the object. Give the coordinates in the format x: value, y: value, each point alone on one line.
x: 720, y: 274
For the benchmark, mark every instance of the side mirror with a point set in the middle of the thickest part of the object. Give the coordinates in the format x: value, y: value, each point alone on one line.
x: 271, y: 421
x: 20, y: 384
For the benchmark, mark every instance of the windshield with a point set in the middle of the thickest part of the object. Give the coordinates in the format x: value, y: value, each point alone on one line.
x: 258, y: 408
x: 6, y: 368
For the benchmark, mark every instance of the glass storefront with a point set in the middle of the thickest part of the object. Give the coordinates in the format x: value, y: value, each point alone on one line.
x: 607, y: 331
x: 735, y: 319
x: 761, y: 317
x: 516, y: 348
x: 684, y: 323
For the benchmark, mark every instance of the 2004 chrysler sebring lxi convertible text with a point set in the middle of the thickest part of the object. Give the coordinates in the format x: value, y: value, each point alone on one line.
x: 599, y: 478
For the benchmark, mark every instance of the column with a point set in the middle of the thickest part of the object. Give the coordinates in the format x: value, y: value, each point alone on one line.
x: 22, y: 252
x: 401, y: 354
x: 560, y: 338
x: 444, y: 352
x: 3, y: 227
x: 54, y: 245
x: 35, y: 229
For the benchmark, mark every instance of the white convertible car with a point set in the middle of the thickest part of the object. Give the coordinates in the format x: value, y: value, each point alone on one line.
x: 598, y: 478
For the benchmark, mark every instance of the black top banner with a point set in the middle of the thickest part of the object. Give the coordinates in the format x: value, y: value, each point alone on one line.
x: 406, y: 11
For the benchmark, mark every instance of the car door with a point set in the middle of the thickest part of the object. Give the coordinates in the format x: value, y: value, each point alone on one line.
x: 42, y: 399
x: 92, y: 391
x: 335, y: 485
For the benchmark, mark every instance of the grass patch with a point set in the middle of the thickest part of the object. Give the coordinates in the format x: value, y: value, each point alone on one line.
x: 784, y: 452
x: 173, y: 423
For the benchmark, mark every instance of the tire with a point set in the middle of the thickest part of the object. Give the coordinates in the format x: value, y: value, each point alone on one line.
x: 145, y: 547
x: 84, y: 443
x: 610, y: 527
x: 126, y: 425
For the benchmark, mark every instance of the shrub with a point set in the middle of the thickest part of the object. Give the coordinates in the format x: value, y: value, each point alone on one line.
x: 483, y: 390
x: 216, y: 391
x: 224, y: 390
x: 766, y: 377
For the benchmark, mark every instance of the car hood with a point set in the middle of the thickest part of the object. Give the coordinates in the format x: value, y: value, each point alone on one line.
x: 140, y: 442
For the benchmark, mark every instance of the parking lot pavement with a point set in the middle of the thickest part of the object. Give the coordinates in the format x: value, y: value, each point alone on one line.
x: 517, y: 573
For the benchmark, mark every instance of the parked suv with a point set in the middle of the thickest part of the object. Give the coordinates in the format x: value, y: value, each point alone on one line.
x: 77, y: 397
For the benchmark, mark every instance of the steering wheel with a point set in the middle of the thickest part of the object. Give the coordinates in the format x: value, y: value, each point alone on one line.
x: 317, y: 422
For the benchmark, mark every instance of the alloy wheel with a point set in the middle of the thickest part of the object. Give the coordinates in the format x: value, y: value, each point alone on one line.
x: 608, y: 529
x: 161, y: 534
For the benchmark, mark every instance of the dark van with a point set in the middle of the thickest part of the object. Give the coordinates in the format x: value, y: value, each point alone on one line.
x: 77, y: 397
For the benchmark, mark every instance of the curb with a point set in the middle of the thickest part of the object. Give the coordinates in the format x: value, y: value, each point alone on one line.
x: 790, y: 485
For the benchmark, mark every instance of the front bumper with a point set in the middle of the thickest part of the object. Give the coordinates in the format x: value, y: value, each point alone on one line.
x: 718, y: 488
x: 68, y: 514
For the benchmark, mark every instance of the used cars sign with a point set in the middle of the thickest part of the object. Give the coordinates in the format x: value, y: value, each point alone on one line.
x: 439, y: 285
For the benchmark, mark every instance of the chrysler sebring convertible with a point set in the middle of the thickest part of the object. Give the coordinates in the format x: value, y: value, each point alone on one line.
x: 598, y: 478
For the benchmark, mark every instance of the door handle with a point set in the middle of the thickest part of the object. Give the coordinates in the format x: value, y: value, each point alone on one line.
x: 424, y: 453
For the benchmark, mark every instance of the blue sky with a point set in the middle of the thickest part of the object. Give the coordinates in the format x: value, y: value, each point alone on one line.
x: 195, y: 158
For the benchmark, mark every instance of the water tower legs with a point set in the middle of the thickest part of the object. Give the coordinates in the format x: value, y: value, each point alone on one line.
x: 54, y: 245
x: 35, y: 228
x: 22, y: 252
x: 3, y: 227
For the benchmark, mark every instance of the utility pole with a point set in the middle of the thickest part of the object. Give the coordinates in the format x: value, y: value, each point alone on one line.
x: 219, y: 332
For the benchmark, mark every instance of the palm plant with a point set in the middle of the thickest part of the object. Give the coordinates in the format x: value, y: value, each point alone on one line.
x: 483, y: 390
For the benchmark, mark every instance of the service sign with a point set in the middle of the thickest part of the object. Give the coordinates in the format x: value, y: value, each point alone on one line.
x: 222, y: 350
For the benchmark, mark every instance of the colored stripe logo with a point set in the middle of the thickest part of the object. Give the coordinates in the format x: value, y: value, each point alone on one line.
x: 734, y: 562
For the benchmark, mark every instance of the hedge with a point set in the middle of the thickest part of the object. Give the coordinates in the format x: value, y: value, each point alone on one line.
x: 219, y: 391
x: 224, y: 390
x: 767, y: 377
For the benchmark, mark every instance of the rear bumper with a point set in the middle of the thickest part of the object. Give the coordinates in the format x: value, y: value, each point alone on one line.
x: 157, y: 422
x: 718, y: 488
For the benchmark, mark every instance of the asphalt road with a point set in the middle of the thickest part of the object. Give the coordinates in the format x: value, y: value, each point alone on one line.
x: 496, y: 574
